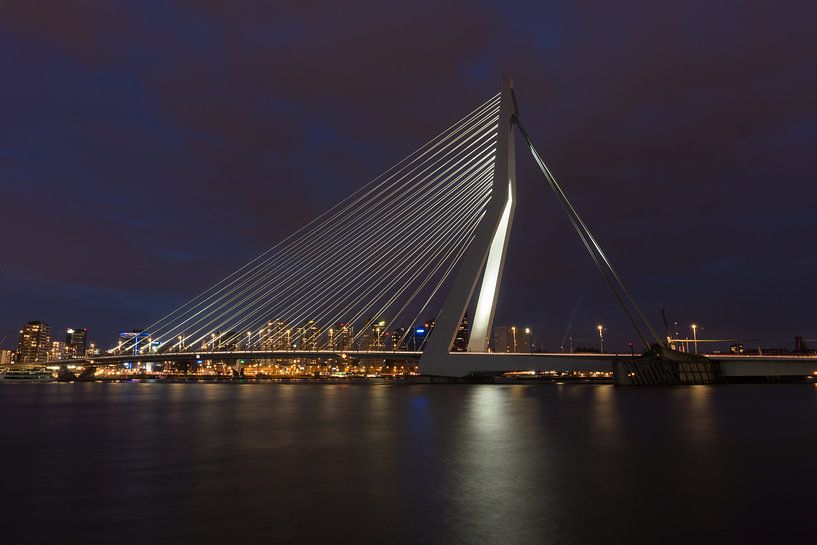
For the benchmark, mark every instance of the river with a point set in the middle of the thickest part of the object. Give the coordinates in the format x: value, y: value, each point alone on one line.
x: 122, y: 463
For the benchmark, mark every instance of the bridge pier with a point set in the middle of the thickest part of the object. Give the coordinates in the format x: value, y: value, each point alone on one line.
x: 650, y: 371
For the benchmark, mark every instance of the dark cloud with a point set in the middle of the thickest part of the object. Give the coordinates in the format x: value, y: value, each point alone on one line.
x: 148, y: 148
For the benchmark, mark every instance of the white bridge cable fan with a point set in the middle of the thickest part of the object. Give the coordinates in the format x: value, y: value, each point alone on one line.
x: 377, y: 258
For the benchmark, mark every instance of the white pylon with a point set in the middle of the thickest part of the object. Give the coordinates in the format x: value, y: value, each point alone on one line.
x: 485, y: 257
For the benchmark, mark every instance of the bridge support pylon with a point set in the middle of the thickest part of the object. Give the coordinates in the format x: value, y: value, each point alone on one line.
x: 484, y: 258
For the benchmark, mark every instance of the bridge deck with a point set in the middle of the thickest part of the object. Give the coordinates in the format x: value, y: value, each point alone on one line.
x: 734, y: 366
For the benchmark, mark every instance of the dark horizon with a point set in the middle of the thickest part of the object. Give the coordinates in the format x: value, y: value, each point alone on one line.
x: 150, y: 149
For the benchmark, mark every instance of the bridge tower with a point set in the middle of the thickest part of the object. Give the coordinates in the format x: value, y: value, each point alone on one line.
x: 484, y: 258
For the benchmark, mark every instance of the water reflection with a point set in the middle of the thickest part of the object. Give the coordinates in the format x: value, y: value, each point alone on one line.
x: 215, y: 463
x: 604, y: 419
x: 499, y: 450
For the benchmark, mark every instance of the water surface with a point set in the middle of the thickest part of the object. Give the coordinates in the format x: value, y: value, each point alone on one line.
x: 274, y: 463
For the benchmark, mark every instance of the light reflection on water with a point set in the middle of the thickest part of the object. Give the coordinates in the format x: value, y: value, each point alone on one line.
x: 216, y: 463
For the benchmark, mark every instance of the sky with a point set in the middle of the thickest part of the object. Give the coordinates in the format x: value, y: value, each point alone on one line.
x: 150, y: 148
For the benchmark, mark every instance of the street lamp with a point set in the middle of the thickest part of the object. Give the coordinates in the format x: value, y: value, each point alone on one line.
x: 513, y: 330
x: 695, y: 336
x: 601, y: 338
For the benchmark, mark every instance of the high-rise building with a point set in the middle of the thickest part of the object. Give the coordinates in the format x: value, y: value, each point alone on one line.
x: 306, y: 336
x: 76, y: 340
x: 57, y: 351
x: 419, y: 336
x: 463, y: 333
x: 512, y: 339
x: 34, y: 343
x: 374, y: 336
x: 340, y: 336
x: 399, y: 339
x: 6, y: 357
x: 274, y: 336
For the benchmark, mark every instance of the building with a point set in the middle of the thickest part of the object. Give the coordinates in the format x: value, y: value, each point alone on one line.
x: 57, y: 351
x: 76, y: 340
x: 341, y: 336
x: 306, y: 336
x: 374, y: 336
x: 800, y: 345
x: 463, y: 333
x: 512, y: 339
x: 399, y: 339
x: 34, y: 343
x: 274, y: 336
x: 420, y: 335
x: 6, y: 357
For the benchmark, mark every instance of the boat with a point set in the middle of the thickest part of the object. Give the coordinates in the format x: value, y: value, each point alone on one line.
x: 26, y: 373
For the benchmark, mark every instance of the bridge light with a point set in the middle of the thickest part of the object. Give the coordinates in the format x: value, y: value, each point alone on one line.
x: 695, y: 336
x: 601, y: 338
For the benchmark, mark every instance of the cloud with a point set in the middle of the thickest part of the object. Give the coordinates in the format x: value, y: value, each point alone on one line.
x: 153, y: 146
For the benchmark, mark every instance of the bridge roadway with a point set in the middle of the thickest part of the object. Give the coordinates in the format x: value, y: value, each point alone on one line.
x: 731, y: 365
x: 401, y: 355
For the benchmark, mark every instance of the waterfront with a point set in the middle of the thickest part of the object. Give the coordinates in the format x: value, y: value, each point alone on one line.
x: 277, y: 463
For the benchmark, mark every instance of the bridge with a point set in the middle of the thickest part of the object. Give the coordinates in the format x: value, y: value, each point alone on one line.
x: 426, y: 238
x: 520, y: 360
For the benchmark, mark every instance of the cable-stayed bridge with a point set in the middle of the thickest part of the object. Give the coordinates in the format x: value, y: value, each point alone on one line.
x: 422, y: 243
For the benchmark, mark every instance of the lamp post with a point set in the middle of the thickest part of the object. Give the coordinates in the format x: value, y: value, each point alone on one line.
x: 601, y: 338
x: 695, y: 336
x: 513, y: 330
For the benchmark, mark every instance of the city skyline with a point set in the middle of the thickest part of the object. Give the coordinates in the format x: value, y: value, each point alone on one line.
x: 674, y: 188
x: 36, y: 344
